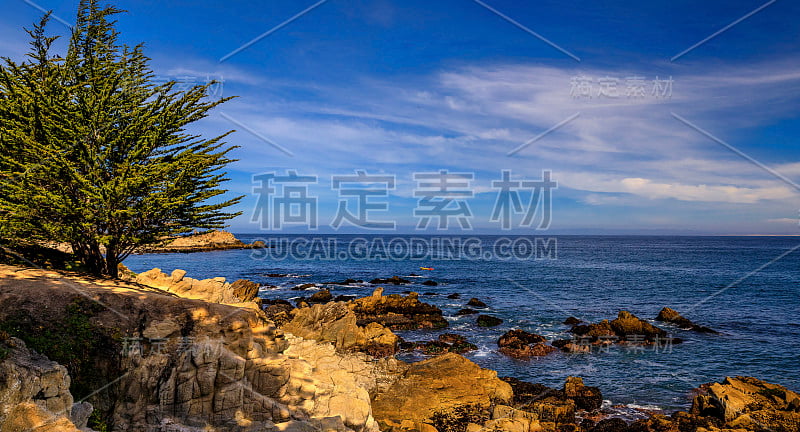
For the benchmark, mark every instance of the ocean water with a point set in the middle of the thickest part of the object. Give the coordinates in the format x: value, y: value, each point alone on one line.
x: 720, y: 282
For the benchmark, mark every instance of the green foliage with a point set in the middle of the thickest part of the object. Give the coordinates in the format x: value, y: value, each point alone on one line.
x: 74, y: 342
x: 93, y: 154
x: 97, y: 422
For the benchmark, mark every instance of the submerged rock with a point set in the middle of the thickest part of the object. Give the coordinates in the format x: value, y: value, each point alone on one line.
x: 476, y: 303
x: 466, y: 312
x: 454, y: 296
x: 672, y: 316
x: 394, y: 280
x: 488, y: 321
x: 430, y: 283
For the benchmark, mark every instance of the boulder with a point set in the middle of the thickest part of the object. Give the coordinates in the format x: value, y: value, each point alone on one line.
x: 572, y: 321
x: 436, y: 385
x: 244, y: 290
x: 454, y: 296
x: 321, y: 296
x: 627, y: 325
x: 488, y: 321
x: 672, y: 316
x: 521, y: 344
x: 476, y: 303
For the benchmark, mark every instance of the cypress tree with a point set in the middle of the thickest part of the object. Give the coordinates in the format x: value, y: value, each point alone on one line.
x: 94, y: 154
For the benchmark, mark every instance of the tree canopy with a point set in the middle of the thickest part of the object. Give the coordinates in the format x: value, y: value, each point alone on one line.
x: 93, y: 153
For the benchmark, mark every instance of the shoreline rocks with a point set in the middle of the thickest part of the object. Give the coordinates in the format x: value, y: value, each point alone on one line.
x: 215, y: 290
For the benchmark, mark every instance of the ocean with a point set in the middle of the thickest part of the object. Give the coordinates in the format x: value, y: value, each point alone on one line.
x: 734, y: 285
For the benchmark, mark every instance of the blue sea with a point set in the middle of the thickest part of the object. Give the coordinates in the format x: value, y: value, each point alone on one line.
x: 732, y: 284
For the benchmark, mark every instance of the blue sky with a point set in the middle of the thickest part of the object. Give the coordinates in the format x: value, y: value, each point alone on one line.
x: 397, y: 87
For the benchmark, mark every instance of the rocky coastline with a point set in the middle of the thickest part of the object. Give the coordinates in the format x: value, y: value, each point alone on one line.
x: 166, y: 352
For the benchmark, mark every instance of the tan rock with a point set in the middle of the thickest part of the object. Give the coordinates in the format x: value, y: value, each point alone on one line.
x: 437, y: 384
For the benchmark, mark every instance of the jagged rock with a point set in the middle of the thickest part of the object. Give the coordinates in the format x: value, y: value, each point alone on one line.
x: 625, y: 328
x: 476, y: 303
x: 627, y: 324
x: 278, y: 311
x: 672, y: 316
x: 397, y: 312
x: 488, y: 321
x: 214, y: 290
x: 337, y: 324
x: 521, y: 344
x: 549, y: 405
x: 750, y: 404
x: 436, y: 385
x: 244, y: 290
x: 34, y: 392
x: 586, y: 398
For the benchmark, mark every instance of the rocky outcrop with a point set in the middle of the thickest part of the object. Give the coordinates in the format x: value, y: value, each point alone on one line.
x: 214, y: 290
x: 434, y: 386
x: 200, y: 242
x: 476, y: 303
x: 521, y: 344
x: 336, y: 323
x: 626, y: 328
x: 34, y: 393
x: 397, y: 312
x: 178, y: 364
x: 672, y: 316
x: 750, y: 404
